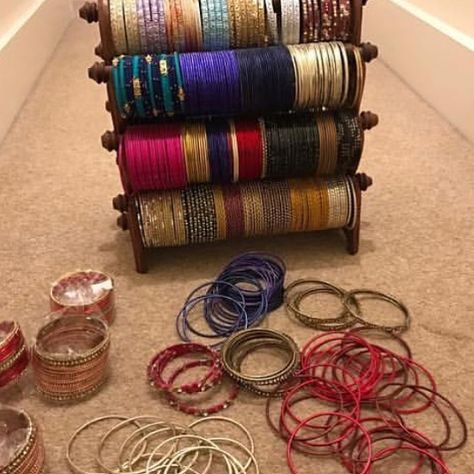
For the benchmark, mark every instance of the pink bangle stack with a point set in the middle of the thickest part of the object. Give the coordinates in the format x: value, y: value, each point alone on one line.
x: 14, y: 353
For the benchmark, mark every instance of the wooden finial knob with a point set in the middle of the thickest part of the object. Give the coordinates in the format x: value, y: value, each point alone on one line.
x: 120, y: 203
x: 107, y: 106
x: 368, y: 120
x: 100, y: 72
x: 99, y: 50
x: 369, y: 51
x: 364, y: 181
x: 122, y: 221
x: 110, y: 141
x: 89, y: 12
x: 364, y: 2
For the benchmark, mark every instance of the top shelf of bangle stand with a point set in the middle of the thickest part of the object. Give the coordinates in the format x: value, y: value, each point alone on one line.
x: 94, y: 12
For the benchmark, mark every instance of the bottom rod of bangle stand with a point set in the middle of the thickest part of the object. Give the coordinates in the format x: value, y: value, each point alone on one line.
x: 361, y: 183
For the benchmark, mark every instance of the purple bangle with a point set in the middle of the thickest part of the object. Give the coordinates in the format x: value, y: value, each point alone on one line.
x: 142, y: 25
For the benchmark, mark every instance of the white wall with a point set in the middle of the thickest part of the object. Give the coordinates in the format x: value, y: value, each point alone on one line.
x: 29, y: 33
x: 433, y: 57
x: 457, y: 13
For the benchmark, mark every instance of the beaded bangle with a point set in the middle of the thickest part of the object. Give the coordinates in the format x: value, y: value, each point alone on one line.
x: 79, y: 372
x: 163, y: 359
x: 239, y: 345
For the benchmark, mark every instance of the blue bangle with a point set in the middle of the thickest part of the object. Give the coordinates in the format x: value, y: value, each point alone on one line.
x: 151, y: 89
x: 156, y: 79
x: 126, y: 76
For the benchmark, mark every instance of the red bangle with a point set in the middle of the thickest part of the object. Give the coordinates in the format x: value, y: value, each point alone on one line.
x: 190, y: 409
x: 87, y: 292
x: 234, y: 211
x: 161, y: 361
x: 250, y: 145
x: 14, y: 353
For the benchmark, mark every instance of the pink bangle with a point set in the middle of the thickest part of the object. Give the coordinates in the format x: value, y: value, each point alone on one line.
x: 14, y: 353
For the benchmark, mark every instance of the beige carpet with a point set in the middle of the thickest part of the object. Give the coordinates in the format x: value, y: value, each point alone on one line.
x: 417, y: 243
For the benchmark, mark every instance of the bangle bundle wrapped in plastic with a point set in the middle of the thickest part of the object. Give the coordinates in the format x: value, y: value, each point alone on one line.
x: 158, y: 446
x: 213, y: 377
x: 70, y: 357
x: 14, y: 353
x: 246, y: 290
x: 90, y: 292
x: 22, y: 449
x: 371, y: 391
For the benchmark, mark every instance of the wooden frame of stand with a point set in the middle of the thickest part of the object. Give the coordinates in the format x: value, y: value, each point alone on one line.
x: 101, y: 73
x: 128, y: 220
x: 94, y: 12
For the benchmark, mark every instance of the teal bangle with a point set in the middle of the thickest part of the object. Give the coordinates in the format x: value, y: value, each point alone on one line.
x: 137, y: 89
x: 120, y: 92
x: 179, y: 80
x: 151, y: 89
x: 165, y: 85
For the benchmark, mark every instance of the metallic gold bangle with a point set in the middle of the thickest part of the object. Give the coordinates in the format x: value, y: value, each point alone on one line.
x: 346, y: 72
x: 220, y: 213
x: 131, y: 25
x: 238, y: 346
x: 117, y: 26
x: 235, y: 150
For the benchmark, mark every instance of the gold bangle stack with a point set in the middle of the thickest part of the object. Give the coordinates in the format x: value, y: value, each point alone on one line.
x: 196, y: 152
x: 266, y: 208
x: 70, y: 357
x: 29, y: 456
x: 238, y: 346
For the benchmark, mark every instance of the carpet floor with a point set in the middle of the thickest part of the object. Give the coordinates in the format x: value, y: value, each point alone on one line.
x: 417, y: 243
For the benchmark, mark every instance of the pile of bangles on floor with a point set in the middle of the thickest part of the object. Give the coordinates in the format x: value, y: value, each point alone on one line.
x: 352, y: 392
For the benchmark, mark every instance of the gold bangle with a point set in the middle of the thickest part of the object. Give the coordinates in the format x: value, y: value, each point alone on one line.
x: 131, y: 25
x: 117, y: 26
x: 235, y: 151
x: 220, y: 213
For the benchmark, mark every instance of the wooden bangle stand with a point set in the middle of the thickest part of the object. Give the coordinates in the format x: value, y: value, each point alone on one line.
x: 128, y: 220
x: 101, y: 73
x: 94, y: 12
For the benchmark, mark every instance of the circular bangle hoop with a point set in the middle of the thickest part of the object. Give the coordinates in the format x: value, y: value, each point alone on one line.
x: 373, y: 294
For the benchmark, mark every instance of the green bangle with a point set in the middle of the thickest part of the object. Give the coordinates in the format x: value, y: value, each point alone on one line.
x: 137, y: 88
x: 179, y: 79
x: 165, y: 85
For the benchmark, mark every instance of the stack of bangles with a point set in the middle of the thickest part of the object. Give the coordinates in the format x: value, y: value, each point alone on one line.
x: 221, y: 151
x: 371, y: 396
x: 206, y: 213
x: 14, y: 354
x: 190, y: 25
x: 247, y: 289
x: 22, y: 439
x: 148, y: 444
x: 70, y: 357
x: 315, y: 76
x: 162, y: 375
x: 350, y: 314
x: 244, y: 343
x: 90, y: 292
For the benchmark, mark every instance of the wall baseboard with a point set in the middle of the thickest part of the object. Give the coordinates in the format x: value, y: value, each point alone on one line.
x: 433, y: 58
x: 26, y: 51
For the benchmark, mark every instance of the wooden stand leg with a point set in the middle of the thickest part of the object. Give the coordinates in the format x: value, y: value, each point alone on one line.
x: 129, y: 221
x: 361, y: 183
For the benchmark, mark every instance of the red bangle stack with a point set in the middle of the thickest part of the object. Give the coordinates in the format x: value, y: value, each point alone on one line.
x: 87, y: 292
x: 214, y: 376
x: 14, y: 354
x: 249, y: 140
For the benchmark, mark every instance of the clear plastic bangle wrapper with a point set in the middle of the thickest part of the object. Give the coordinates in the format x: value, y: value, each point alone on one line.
x: 70, y: 357
x: 21, y: 443
x: 14, y: 354
x: 89, y: 291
